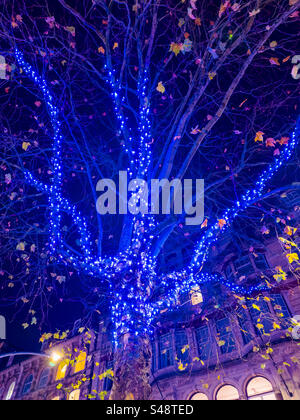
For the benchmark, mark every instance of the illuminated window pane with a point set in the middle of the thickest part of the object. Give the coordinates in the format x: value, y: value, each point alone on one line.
x: 260, y: 388
x: 62, y: 370
x: 74, y: 395
x: 81, y: 361
x: 10, y: 391
x: 199, y: 396
x: 228, y: 393
x: 196, y: 295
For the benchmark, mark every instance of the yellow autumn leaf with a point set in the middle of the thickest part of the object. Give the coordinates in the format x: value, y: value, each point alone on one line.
x: 289, y: 230
x: 21, y: 246
x: 292, y: 257
x: 259, y: 136
x: 175, y: 48
x: 25, y: 145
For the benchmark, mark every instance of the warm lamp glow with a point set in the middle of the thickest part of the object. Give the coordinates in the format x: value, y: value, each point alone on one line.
x: 55, y: 357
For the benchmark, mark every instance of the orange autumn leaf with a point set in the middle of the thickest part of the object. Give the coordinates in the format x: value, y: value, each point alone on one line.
x: 274, y: 61
x: 221, y: 223
x: 270, y: 142
x: 259, y: 136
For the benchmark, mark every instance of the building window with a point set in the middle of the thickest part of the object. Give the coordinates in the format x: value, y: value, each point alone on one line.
x: 228, y: 393
x: 108, y: 383
x: 182, y: 348
x: 244, y: 266
x: 27, y: 385
x: 80, y: 363
x: 166, y: 357
x: 225, y: 336
x: 196, y: 296
x: 280, y: 306
x: 154, y: 366
x: 74, y: 395
x: 244, y: 328
x: 62, y: 369
x: 199, y: 396
x: 260, y: 389
x: 261, y: 262
x: 261, y: 316
x: 44, y: 378
x: 203, y: 343
x: 10, y: 391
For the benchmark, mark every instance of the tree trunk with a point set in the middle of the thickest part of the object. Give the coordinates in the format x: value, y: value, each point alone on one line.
x: 132, y: 364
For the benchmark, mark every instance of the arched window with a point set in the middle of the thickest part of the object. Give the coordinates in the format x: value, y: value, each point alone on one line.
x: 81, y: 361
x: 27, y: 385
x: 62, y: 369
x: 260, y: 388
x: 74, y: 395
x: 10, y: 391
x: 44, y: 378
x: 228, y: 393
x: 199, y: 396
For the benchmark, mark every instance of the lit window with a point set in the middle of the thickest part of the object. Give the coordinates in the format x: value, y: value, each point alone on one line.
x: 27, y: 385
x: 62, y: 369
x: 260, y: 389
x: 228, y: 393
x: 55, y: 399
x: 196, y: 295
x: 81, y: 361
x: 44, y: 378
x: 10, y: 391
x: 200, y: 397
x: 74, y: 395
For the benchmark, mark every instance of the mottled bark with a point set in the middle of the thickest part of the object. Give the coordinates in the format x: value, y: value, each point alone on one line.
x: 132, y: 364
